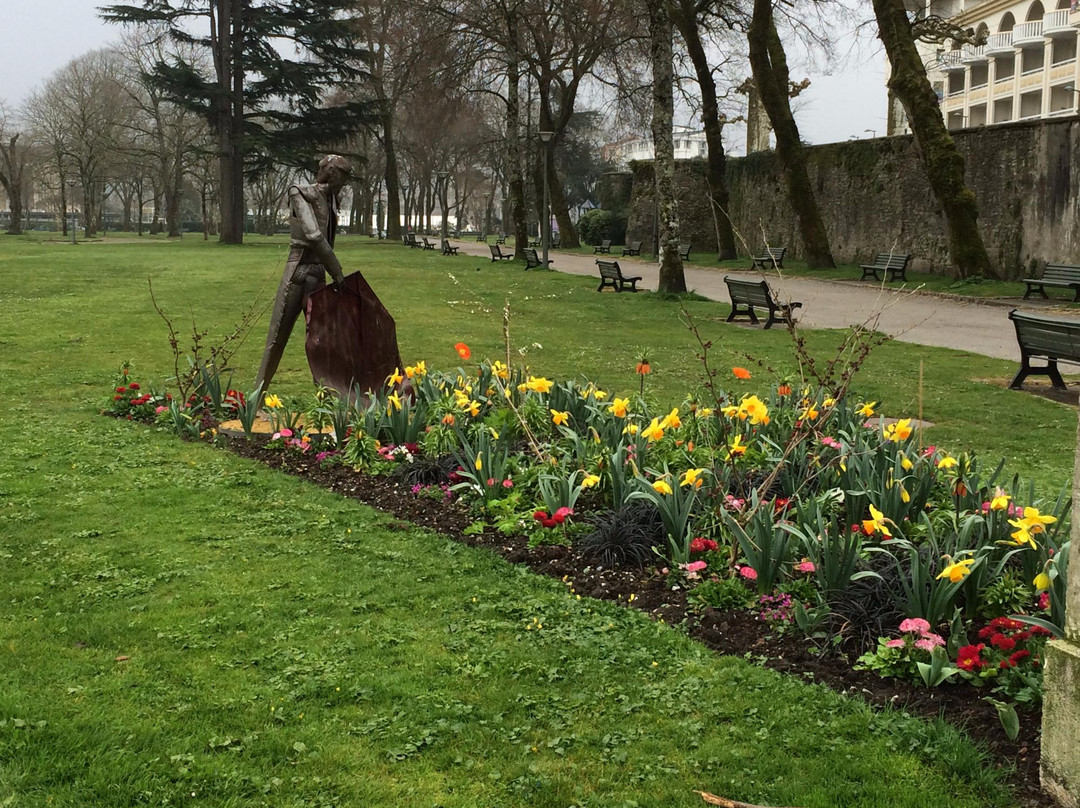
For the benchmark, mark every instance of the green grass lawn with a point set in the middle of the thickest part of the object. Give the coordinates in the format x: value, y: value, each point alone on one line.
x: 287, y: 647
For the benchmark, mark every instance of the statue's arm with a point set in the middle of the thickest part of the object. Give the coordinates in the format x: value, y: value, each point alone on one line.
x: 314, y: 235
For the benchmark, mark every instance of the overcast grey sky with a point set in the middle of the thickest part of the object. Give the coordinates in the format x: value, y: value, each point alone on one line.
x: 39, y: 36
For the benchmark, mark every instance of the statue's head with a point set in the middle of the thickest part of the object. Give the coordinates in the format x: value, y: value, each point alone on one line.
x: 334, y: 171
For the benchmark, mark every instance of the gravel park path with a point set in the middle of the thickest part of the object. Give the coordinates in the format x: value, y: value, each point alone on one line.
x: 978, y: 326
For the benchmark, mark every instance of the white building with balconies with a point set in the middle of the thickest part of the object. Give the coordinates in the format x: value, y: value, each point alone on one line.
x: 1027, y: 69
x: 688, y: 143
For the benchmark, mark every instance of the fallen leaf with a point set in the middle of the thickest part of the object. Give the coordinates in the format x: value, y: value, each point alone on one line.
x: 122, y: 658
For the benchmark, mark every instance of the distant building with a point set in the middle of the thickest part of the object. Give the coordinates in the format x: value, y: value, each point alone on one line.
x: 1026, y: 70
x: 688, y: 143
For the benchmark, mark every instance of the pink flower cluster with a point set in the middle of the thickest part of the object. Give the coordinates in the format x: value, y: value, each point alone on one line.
x: 918, y: 630
x: 733, y: 503
x: 832, y: 443
x: 749, y: 573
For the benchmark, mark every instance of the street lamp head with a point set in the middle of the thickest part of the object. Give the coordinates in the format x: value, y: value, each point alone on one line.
x: 546, y: 136
x: 442, y: 175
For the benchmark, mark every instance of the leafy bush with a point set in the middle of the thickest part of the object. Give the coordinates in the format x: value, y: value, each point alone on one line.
x: 597, y: 225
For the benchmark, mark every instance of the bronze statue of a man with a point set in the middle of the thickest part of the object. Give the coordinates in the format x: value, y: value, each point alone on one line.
x: 313, y: 223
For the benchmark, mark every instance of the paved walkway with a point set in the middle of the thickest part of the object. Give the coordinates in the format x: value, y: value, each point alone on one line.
x: 923, y: 319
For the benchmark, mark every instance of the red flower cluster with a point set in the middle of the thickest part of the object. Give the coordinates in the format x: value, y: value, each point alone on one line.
x: 1007, y: 638
x: 234, y: 400
x: 702, y: 545
x: 555, y: 519
x: 123, y: 393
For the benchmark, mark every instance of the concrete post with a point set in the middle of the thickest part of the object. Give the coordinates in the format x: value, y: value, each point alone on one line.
x: 1060, y: 763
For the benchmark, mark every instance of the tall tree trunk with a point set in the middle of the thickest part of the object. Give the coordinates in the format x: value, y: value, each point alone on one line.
x: 942, y: 160
x: 229, y: 116
x: 685, y: 18
x: 672, y: 278
x: 393, y: 186
x: 63, y: 205
x: 769, y: 65
x: 515, y: 168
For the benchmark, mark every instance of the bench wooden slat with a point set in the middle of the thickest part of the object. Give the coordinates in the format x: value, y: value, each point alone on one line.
x: 603, y: 247
x: 748, y: 295
x: 772, y: 258
x: 1066, y: 276
x: 893, y: 264
x: 532, y: 260
x: 498, y: 255
x: 611, y: 275
x: 1042, y: 336
x: 633, y: 248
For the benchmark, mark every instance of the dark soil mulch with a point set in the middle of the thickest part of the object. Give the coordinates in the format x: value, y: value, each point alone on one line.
x: 734, y: 633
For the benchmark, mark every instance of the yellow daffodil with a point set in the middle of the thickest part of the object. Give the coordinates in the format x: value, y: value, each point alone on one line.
x: 500, y: 370
x: 756, y: 409
x: 630, y: 429
x: 395, y: 378
x: 538, y: 384
x: 559, y: 418
x: 1022, y: 535
x: 809, y: 413
x: 393, y: 400
x: 905, y: 497
x: 947, y: 462
x: 474, y: 408
x: 905, y: 463
x: 730, y: 411
x: 1000, y: 502
x: 654, y: 431
x: 1041, y: 582
x: 599, y: 395
x: 692, y: 477
x: 956, y: 571
x: 704, y: 412
x: 1037, y: 522
x: 737, y: 447
x: 828, y: 402
x: 272, y: 402
x: 866, y: 410
x: 671, y: 420
x: 590, y: 480
x: 619, y: 407
x: 479, y: 464
x: 899, y: 431
x: 661, y: 487
x: 876, y: 523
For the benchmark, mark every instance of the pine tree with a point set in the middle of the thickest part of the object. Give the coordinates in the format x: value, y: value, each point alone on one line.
x: 274, y: 64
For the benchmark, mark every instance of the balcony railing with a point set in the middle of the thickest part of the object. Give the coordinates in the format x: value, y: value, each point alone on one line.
x: 1000, y: 43
x: 1056, y: 22
x: 972, y: 54
x: 1028, y: 33
x: 950, y: 60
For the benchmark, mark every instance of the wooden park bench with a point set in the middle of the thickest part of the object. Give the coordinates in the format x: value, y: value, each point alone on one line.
x: 1065, y: 276
x: 447, y: 249
x: 481, y: 237
x: 498, y: 255
x: 756, y: 294
x: 684, y: 252
x: 556, y: 240
x: 772, y: 258
x: 1055, y: 339
x: 410, y: 240
x: 428, y: 245
x: 611, y: 275
x: 893, y: 264
x: 501, y: 238
x: 532, y: 260
x: 534, y: 242
x: 603, y: 247
x: 633, y: 248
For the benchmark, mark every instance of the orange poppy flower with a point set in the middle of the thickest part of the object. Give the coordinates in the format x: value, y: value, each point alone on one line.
x: 741, y: 373
x: 463, y: 350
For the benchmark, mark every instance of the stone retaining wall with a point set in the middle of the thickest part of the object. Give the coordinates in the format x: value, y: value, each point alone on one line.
x: 875, y: 197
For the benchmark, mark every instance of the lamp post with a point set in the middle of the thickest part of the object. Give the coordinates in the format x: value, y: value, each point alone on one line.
x: 487, y: 213
x: 545, y: 233
x: 71, y: 197
x: 443, y: 180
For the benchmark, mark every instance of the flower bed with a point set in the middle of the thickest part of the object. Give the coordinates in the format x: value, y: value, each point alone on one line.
x: 792, y: 525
